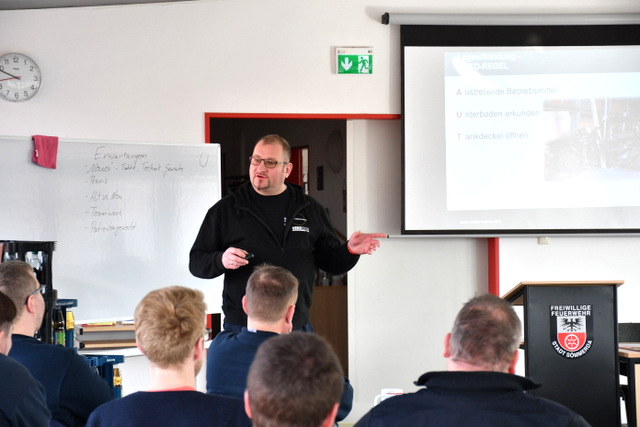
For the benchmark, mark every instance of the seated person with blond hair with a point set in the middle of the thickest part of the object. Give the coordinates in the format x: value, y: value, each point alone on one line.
x: 170, y: 326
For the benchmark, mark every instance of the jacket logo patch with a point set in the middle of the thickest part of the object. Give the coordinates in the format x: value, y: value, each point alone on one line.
x: 299, y: 220
x: 571, y: 329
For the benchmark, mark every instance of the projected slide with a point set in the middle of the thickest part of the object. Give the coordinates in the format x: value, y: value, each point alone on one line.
x: 521, y: 124
x: 519, y: 138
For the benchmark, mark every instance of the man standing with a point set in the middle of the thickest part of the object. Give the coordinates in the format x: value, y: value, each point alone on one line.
x: 294, y: 380
x: 271, y: 221
x: 480, y: 387
x: 169, y: 325
x: 22, y: 401
x: 71, y: 387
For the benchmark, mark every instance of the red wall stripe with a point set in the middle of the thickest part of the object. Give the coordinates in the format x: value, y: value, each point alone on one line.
x: 493, y: 251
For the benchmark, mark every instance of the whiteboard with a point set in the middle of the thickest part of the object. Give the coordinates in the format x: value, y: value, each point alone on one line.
x: 123, y: 216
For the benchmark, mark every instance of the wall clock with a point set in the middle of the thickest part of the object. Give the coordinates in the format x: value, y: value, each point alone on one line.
x: 20, y: 77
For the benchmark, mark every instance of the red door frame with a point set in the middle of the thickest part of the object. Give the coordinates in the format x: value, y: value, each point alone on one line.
x: 493, y: 258
x: 297, y: 174
x: 493, y: 243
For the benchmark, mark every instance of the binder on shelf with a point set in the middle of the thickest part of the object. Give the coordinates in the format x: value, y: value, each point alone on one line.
x: 106, y: 336
x: 106, y: 344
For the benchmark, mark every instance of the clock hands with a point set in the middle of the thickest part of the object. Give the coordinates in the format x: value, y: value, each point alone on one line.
x: 9, y: 74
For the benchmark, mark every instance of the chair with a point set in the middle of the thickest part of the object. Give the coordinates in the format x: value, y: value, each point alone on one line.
x: 629, y: 332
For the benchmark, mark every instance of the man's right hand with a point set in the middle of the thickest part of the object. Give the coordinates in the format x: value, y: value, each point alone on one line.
x: 234, y: 258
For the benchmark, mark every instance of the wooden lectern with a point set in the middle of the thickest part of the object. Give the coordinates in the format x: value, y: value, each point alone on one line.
x: 571, y: 345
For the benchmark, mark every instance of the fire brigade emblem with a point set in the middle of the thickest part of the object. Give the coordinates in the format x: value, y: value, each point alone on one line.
x: 571, y: 329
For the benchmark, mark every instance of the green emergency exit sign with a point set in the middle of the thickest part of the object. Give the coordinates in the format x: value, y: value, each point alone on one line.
x: 354, y: 60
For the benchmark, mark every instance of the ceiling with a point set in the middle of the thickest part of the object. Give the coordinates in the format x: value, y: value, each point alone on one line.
x: 46, y: 4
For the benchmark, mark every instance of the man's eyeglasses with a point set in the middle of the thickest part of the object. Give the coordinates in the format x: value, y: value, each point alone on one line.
x: 270, y: 164
x: 41, y: 289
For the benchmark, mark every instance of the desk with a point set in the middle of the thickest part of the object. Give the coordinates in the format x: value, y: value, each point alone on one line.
x: 630, y: 367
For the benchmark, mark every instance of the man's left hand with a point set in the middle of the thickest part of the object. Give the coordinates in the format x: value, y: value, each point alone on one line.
x: 364, y: 243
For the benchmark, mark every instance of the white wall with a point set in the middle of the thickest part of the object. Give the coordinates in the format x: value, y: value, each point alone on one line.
x: 149, y: 72
x: 402, y: 299
x: 575, y: 258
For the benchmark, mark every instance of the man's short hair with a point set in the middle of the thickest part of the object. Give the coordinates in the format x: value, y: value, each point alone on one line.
x: 486, y: 333
x: 17, y: 282
x: 270, y: 291
x: 276, y: 139
x: 8, y: 313
x: 295, y: 380
x: 168, y: 323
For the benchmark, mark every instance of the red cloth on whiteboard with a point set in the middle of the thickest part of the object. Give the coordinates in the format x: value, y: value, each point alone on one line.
x: 45, y: 152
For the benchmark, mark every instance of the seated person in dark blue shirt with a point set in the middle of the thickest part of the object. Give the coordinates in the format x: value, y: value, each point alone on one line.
x: 294, y: 380
x: 269, y: 302
x: 170, y: 325
x: 72, y: 389
x: 21, y: 397
x: 479, y: 387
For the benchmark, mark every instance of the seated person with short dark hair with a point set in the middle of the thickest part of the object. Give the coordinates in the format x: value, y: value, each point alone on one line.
x: 294, y: 380
x: 269, y: 302
x: 170, y: 326
x: 480, y: 388
x: 21, y: 397
x: 72, y: 388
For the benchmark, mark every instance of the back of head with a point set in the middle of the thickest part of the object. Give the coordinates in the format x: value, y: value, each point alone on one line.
x: 295, y: 380
x: 169, y: 322
x: 17, y: 282
x: 486, y: 333
x: 8, y: 313
x: 277, y: 139
x: 270, y: 291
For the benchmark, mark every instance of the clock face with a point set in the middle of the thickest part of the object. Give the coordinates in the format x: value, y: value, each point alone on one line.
x: 20, y: 77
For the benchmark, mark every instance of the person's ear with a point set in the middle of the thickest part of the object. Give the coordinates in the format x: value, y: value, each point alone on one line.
x: 244, y: 305
x: 30, y: 306
x: 198, y: 350
x: 247, y: 405
x: 331, y: 416
x: 514, y: 362
x: 288, y: 318
x: 447, y: 345
x: 288, y: 168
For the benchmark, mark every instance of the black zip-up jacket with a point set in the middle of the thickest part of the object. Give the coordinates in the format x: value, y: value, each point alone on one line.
x: 309, y: 241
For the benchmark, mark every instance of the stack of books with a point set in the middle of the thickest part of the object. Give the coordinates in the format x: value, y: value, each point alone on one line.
x: 106, y: 335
